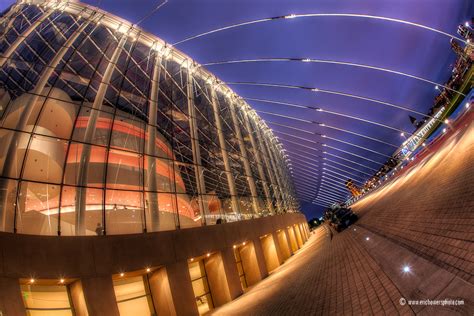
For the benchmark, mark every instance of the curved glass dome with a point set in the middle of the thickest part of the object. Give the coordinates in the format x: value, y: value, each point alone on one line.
x: 104, y: 129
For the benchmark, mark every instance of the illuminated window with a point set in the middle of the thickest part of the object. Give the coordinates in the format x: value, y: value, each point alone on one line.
x: 133, y: 296
x: 240, y: 267
x: 201, y: 289
x: 46, y: 300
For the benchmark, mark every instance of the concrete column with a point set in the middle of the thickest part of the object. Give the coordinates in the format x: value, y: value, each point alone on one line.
x: 217, y: 279
x: 293, y: 242
x: 231, y: 272
x: 261, y: 173
x: 283, y: 244
x: 11, y: 302
x: 181, y: 289
x: 78, y: 299
x: 245, y: 159
x: 161, y: 293
x: 81, y: 191
x: 201, y: 187
x: 152, y: 196
x: 99, y: 295
x: 299, y: 240
x: 250, y: 264
x: 288, y: 240
x: 225, y: 156
x: 260, y: 257
x: 278, y: 249
x: 269, y: 252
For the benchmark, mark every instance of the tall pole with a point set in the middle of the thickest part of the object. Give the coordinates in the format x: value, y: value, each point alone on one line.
x: 152, y: 195
x: 225, y: 156
x: 258, y: 159
x: 201, y: 187
x: 245, y: 159
x: 81, y: 191
x: 277, y: 169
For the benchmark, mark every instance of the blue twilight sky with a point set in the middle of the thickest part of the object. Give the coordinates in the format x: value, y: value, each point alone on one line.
x: 377, y: 43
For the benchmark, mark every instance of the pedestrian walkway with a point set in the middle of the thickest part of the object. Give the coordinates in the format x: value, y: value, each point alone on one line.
x: 349, y: 273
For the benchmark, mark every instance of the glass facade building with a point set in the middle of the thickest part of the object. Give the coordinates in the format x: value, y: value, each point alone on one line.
x: 106, y: 129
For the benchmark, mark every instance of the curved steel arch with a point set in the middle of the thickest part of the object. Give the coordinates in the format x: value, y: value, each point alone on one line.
x: 328, y: 126
x: 349, y: 95
x: 335, y: 62
x: 323, y: 136
x: 327, y: 153
x: 314, y: 15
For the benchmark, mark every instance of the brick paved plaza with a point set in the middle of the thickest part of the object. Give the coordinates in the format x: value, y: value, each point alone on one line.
x: 422, y: 221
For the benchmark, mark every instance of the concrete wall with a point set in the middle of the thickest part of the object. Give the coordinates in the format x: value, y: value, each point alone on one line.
x: 91, y: 261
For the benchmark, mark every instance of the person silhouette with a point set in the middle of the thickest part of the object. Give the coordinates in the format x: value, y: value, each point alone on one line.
x: 99, y: 230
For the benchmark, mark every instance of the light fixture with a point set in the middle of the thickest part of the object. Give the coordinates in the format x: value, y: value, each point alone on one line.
x: 291, y: 16
x: 243, y: 243
x: 32, y: 280
x: 406, y: 269
x: 208, y: 254
x: 423, y: 144
x: 61, y: 281
x: 367, y: 238
x: 446, y: 121
x: 437, y: 87
x: 466, y: 24
x: 315, y: 89
x: 235, y: 246
x: 192, y: 259
x: 467, y: 105
x: 306, y: 60
x: 444, y: 130
x: 402, y: 134
x: 122, y: 274
x: 148, y: 269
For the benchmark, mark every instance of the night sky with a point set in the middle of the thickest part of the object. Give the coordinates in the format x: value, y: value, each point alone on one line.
x: 377, y: 43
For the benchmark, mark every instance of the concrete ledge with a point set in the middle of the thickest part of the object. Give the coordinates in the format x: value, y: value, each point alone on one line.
x: 96, y: 256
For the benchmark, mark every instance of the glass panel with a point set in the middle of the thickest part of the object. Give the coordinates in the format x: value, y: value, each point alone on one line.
x: 161, y: 209
x: 128, y: 134
x: 37, y: 211
x: 188, y: 210
x: 70, y: 210
x: 124, y: 212
x: 98, y: 133
x: 196, y: 270
x: 13, y: 165
x: 9, y: 188
x: 139, y: 306
x: 128, y: 288
x: 132, y: 296
x: 95, y: 167
x: 49, y: 313
x: 45, y: 159
x: 200, y: 286
x: 46, y: 297
x: 124, y: 170
x: 204, y: 303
